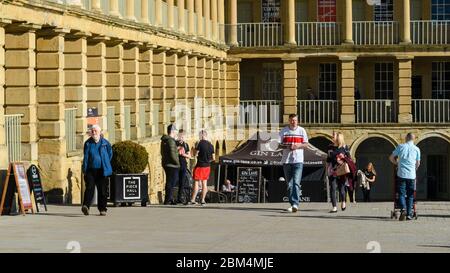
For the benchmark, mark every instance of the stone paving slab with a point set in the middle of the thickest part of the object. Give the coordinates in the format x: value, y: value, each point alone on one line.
x: 229, y: 228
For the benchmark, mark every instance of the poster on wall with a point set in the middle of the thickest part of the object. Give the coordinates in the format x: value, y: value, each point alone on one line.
x: 92, y: 117
x: 271, y: 11
x: 326, y: 11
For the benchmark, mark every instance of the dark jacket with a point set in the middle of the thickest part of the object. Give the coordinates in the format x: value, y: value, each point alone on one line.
x: 169, y: 152
x: 105, y: 153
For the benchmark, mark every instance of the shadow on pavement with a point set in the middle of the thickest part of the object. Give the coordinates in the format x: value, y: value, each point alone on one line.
x: 433, y: 215
x: 436, y: 246
x: 364, y: 218
x: 58, y: 214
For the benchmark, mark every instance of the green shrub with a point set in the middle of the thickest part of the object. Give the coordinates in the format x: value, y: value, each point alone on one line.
x: 128, y: 157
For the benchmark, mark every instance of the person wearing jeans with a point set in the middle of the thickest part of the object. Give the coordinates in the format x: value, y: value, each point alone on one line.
x: 170, y: 162
x: 293, y: 139
x: 407, y: 159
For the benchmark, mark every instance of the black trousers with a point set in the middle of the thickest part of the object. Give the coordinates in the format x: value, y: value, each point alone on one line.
x: 366, y: 194
x: 335, y: 184
x: 350, y: 193
x: 172, y: 175
x: 181, y: 184
x: 93, y: 178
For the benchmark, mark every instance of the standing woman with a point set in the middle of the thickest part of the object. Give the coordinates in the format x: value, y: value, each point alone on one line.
x: 205, y: 154
x: 370, y: 174
x: 336, y: 152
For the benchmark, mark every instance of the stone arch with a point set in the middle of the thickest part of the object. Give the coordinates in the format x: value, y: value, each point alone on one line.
x: 354, y: 146
x: 224, y: 147
x: 320, y: 142
x: 433, y: 134
x: 217, y: 149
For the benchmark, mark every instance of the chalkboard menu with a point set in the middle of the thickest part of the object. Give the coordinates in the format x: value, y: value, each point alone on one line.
x: 248, y: 184
x: 16, y: 180
x: 34, y: 178
x: 131, y: 187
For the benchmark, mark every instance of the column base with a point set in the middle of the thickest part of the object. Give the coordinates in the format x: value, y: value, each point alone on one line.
x: 290, y: 44
x: 407, y: 42
x: 405, y: 118
x: 348, y: 42
x: 115, y: 14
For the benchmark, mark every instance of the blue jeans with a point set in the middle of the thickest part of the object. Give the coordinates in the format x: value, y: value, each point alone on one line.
x: 293, y: 174
x: 405, y: 188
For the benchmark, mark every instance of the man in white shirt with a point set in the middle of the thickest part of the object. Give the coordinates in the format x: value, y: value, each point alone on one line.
x: 293, y: 139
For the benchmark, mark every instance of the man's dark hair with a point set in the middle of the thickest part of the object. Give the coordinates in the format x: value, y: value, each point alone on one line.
x: 409, y: 136
x: 171, y: 128
x: 292, y: 116
x: 181, y: 131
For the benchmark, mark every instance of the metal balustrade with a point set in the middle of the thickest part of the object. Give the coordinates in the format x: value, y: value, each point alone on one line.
x: 260, y: 112
x: 430, y: 32
x: 70, y: 116
x: 375, y: 32
x: 13, y: 137
x: 430, y: 111
x: 318, y: 33
x: 376, y: 111
x: 259, y: 34
x: 318, y: 111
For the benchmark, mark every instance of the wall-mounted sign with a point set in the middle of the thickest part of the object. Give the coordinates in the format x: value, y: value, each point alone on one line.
x: 271, y: 11
x: 326, y: 11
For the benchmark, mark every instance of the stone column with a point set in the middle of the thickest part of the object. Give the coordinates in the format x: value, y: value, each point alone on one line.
x: 96, y: 81
x: 144, y: 12
x: 192, y: 90
x: 290, y: 24
x: 221, y: 18
x: 171, y: 98
x: 207, y: 16
x: 159, y: 87
x: 223, y: 93
x: 199, y: 10
x: 233, y: 23
x: 97, y: 6
x: 181, y: 17
x: 3, y: 148
x: 348, y: 38
x: 289, y: 87
x: 50, y: 111
x: 216, y: 100
x: 406, y: 23
x: 170, y: 12
x: 75, y: 75
x: 214, y: 35
x: 145, y: 85
x: 158, y: 13
x: 201, y: 90
x: 208, y: 89
x: 347, y: 100
x: 191, y: 26
x: 114, y: 85
x: 404, y: 89
x: 20, y: 85
x: 130, y: 85
x: 232, y: 96
x: 182, y: 91
x: 129, y: 10
x: 114, y: 8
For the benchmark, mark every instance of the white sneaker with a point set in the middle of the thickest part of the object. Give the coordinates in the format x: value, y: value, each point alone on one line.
x: 294, y: 208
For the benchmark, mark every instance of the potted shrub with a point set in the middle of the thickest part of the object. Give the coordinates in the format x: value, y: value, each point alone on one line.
x: 128, y: 183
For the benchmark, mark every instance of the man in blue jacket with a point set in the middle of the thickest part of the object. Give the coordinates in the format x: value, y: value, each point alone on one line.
x: 96, y: 169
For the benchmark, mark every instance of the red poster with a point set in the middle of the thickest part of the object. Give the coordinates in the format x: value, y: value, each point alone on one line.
x: 326, y: 11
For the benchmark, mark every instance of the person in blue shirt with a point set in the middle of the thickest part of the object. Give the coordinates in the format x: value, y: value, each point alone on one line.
x: 407, y: 159
x: 96, y: 168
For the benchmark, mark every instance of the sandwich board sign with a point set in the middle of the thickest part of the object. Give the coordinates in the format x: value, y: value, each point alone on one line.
x: 34, y: 178
x: 16, y: 180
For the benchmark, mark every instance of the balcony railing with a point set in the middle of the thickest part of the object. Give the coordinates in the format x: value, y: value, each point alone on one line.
x: 318, y: 111
x: 70, y: 116
x: 376, y: 111
x: 375, y: 33
x: 260, y: 112
x: 430, y: 32
x: 259, y: 34
x: 431, y: 111
x: 13, y: 136
x: 318, y: 33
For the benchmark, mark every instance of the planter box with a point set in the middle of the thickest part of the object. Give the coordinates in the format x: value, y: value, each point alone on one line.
x: 128, y: 188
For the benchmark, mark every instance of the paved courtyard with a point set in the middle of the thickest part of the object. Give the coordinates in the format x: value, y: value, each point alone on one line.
x: 229, y: 228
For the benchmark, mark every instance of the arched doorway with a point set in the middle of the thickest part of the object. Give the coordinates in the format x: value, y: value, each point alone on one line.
x: 433, y: 181
x: 320, y: 143
x: 377, y: 151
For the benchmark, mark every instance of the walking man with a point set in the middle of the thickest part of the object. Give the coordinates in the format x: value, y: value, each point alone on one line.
x: 407, y: 159
x: 170, y: 162
x: 96, y: 168
x: 293, y: 140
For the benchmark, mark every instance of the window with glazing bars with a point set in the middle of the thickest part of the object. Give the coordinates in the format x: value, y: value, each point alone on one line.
x: 327, y: 81
x: 440, y: 83
x: 384, y: 81
x: 384, y: 11
x: 271, y: 81
x: 440, y: 10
